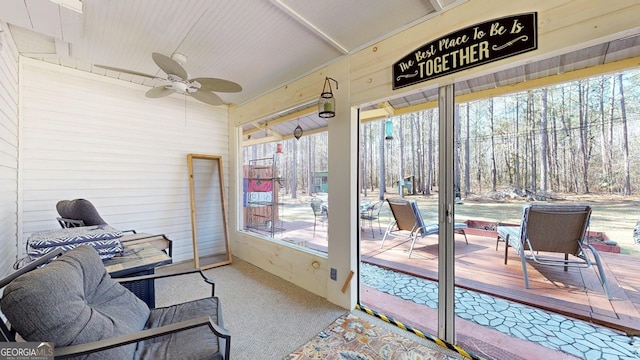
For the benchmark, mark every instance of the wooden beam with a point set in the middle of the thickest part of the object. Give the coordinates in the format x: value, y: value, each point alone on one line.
x: 258, y: 141
x: 562, y: 29
x: 274, y: 134
x: 436, y: 5
x: 309, y: 25
x: 384, y: 110
x: 387, y: 107
x: 372, y: 114
x: 268, y: 139
x: 282, y: 119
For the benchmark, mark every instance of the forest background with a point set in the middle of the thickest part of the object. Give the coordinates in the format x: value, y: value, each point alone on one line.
x: 572, y: 140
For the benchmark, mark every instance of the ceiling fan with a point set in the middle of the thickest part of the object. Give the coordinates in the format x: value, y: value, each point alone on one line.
x: 177, y: 80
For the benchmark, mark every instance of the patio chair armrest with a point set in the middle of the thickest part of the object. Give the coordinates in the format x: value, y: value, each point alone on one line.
x: 23, y: 269
x: 95, y: 346
x: 601, y: 273
x: 66, y: 223
x: 511, y: 234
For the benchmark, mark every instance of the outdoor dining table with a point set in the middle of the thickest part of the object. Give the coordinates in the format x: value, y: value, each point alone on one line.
x: 364, y: 208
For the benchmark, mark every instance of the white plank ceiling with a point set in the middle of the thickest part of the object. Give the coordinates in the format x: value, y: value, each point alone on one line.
x: 260, y: 44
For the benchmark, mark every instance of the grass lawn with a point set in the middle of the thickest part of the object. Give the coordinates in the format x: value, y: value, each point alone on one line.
x: 614, y: 215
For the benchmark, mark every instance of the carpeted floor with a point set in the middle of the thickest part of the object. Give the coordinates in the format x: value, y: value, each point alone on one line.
x: 268, y: 317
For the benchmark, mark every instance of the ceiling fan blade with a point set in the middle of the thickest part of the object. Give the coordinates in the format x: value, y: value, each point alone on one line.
x: 125, y: 71
x: 169, y: 66
x: 218, y: 85
x: 158, y: 91
x: 207, y: 97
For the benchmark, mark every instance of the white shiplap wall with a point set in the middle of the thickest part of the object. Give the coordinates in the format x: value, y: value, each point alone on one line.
x: 89, y: 136
x: 8, y: 150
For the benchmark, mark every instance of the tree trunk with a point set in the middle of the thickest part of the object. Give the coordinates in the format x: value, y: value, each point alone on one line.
x: 417, y: 153
x: 532, y: 142
x: 381, y: 170
x: 421, y: 161
x: 544, y: 143
x: 625, y: 139
x: 606, y: 173
x: 478, y: 152
x: 372, y: 157
x: 401, y: 146
x: 467, y: 161
x: 569, y: 160
x: 363, y: 159
x: 429, y: 178
x: 518, y: 155
x: 610, y: 127
x: 414, y: 155
x: 310, y: 186
x: 555, y: 165
x: 584, y: 133
x: 494, y: 171
x: 456, y: 151
x: 294, y: 169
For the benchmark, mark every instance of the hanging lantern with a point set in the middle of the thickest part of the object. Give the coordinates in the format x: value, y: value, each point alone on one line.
x: 388, y: 130
x: 327, y: 103
x: 297, y: 132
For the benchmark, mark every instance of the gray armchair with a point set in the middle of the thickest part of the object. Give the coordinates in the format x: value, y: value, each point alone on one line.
x: 74, y: 303
x: 79, y: 212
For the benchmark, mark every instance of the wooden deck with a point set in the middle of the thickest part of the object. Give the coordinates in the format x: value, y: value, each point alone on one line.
x: 480, y: 267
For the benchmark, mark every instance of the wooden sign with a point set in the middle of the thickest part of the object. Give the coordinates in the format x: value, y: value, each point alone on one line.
x: 473, y: 46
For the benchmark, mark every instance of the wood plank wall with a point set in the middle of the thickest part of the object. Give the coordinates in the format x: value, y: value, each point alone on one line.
x: 88, y: 136
x: 8, y: 150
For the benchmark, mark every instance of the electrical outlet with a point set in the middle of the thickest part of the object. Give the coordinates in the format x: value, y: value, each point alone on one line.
x: 334, y: 274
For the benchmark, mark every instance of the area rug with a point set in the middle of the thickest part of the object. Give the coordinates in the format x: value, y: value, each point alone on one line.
x: 354, y: 338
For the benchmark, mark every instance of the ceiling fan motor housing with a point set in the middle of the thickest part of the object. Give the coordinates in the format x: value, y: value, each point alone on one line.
x: 193, y: 87
x: 179, y: 87
x: 179, y: 58
x: 182, y: 86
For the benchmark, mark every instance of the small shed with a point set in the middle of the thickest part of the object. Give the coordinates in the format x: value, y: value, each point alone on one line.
x: 320, y: 184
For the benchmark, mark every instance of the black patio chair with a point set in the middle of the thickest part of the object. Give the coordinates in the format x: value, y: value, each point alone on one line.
x: 318, y: 210
x: 371, y: 213
x: 79, y: 212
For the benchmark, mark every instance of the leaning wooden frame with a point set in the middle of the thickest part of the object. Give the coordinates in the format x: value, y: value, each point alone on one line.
x: 208, y: 211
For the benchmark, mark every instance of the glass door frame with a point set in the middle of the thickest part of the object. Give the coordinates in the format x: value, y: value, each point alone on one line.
x: 446, y: 215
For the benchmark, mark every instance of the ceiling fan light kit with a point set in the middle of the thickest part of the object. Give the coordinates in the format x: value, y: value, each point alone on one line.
x: 177, y: 80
